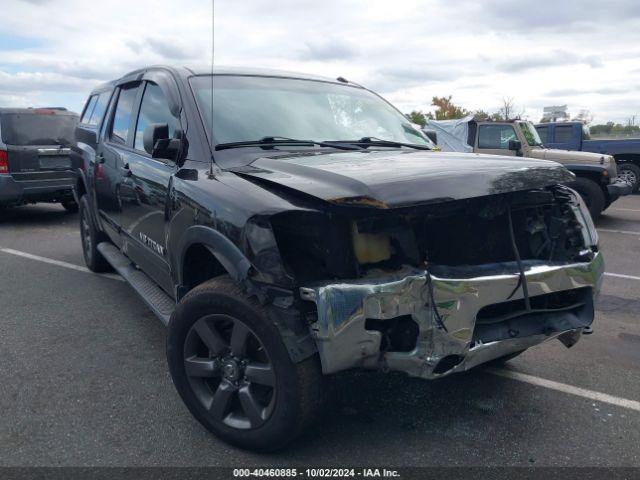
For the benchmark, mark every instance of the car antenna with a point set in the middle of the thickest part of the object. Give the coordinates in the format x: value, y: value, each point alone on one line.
x: 213, y: 38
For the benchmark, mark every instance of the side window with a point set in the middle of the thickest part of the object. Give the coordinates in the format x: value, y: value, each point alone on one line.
x: 564, y: 133
x: 544, y: 133
x: 88, y: 110
x: 496, y: 136
x: 122, y: 116
x: 154, y: 109
x: 100, y: 108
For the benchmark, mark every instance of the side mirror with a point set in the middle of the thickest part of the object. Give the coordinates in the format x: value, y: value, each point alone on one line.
x: 515, y: 145
x: 153, y: 133
x: 158, y: 144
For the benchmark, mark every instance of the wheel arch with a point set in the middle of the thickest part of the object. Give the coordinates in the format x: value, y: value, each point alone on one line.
x: 591, y: 172
x: 80, y: 187
x: 628, y: 158
x: 221, y: 256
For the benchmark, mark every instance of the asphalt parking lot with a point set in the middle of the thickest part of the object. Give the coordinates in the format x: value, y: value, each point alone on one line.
x: 84, y: 380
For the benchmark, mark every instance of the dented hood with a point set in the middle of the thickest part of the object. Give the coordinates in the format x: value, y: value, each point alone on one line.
x: 387, y: 179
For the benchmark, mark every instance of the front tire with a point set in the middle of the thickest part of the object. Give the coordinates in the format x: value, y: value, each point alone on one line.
x: 630, y: 173
x: 90, y: 237
x: 233, y: 372
x: 592, y: 195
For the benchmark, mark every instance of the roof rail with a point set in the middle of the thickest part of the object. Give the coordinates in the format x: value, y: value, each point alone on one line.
x: 62, y: 109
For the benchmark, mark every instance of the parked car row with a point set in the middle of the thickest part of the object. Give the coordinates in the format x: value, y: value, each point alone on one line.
x: 596, y: 180
x: 286, y: 227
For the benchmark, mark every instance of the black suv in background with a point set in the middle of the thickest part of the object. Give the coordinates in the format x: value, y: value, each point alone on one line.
x: 289, y: 226
x: 35, y: 160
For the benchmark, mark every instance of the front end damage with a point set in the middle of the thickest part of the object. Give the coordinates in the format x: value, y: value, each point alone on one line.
x: 440, y: 289
x: 392, y: 324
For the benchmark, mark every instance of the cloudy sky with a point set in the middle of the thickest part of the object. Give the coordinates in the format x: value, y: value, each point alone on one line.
x: 578, y: 52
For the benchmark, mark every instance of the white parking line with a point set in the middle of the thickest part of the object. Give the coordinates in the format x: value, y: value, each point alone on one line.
x: 625, y: 209
x: 626, y: 232
x: 620, y: 275
x: 59, y: 263
x: 570, y: 389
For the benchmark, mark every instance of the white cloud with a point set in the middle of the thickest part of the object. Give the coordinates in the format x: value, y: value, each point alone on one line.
x: 583, y: 53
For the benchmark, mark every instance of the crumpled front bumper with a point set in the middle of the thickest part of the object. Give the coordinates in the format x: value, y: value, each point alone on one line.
x: 343, y: 342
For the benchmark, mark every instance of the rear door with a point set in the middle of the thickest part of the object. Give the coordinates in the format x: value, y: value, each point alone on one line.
x: 112, y: 158
x: 145, y: 210
x: 37, y: 143
x: 494, y: 138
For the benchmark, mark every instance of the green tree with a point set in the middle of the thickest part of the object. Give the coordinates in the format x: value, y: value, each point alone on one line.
x: 446, y: 109
x: 419, y: 117
x: 480, y: 115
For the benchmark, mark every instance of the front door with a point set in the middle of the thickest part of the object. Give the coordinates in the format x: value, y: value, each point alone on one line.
x: 144, y: 212
x: 494, y: 138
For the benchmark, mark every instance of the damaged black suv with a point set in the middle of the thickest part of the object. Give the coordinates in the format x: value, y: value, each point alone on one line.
x: 287, y: 226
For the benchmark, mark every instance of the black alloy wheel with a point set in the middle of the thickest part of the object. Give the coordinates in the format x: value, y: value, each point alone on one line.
x: 230, y: 371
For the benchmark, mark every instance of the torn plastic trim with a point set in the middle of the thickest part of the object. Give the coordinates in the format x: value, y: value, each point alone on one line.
x: 342, y: 309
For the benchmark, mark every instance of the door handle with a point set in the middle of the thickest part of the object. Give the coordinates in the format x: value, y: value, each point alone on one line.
x: 126, y: 170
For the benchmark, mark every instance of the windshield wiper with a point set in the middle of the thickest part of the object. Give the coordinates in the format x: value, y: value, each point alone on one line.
x: 378, y: 142
x: 275, y: 141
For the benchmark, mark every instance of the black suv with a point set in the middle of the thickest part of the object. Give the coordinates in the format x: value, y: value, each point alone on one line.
x: 288, y: 226
x: 35, y: 160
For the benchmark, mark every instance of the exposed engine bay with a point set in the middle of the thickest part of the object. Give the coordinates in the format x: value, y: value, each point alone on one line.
x: 447, y: 236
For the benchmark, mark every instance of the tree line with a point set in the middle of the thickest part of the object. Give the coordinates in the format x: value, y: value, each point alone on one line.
x: 447, y: 110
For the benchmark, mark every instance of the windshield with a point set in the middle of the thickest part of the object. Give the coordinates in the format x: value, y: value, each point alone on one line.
x: 530, y: 134
x: 37, y: 129
x: 251, y: 108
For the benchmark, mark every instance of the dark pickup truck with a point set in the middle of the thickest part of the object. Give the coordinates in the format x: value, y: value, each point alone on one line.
x: 576, y: 136
x: 287, y: 226
x: 35, y: 160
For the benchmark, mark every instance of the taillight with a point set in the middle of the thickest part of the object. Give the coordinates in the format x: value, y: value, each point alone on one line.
x: 4, y: 162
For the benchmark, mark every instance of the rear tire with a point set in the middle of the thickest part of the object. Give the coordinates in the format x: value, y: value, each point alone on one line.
x: 70, y: 206
x: 217, y: 376
x: 91, y: 237
x: 631, y: 174
x: 592, y: 195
